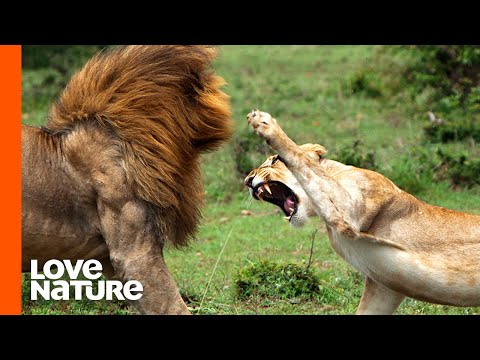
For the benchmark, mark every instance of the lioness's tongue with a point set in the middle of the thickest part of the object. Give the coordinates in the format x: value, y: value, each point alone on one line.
x: 289, y: 205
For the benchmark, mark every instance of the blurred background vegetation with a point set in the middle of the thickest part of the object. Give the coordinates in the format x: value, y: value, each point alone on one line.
x: 411, y: 113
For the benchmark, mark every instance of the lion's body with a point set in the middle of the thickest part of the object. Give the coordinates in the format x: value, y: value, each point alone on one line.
x: 115, y: 173
x: 402, y: 245
x: 59, y: 205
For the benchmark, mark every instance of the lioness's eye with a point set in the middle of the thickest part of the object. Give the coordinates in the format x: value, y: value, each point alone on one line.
x: 274, y: 160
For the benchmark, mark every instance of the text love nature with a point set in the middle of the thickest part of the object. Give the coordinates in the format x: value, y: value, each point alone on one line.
x: 48, y: 285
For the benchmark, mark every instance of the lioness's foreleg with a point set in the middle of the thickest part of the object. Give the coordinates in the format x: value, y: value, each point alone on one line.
x: 378, y: 300
x: 316, y: 183
x: 136, y: 254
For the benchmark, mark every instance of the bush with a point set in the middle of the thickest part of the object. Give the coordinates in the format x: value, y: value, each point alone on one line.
x: 445, y: 79
x: 249, y: 152
x: 453, y: 70
x: 355, y: 155
x: 270, y: 280
x: 366, y: 82
x: 412, y: 171
x: 459, y: 170
x: 453, y: 131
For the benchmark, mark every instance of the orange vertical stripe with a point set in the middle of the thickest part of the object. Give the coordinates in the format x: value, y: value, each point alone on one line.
x: 10, y: 178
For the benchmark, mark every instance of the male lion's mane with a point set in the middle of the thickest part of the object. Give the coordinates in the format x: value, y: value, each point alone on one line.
x: 164, y: 105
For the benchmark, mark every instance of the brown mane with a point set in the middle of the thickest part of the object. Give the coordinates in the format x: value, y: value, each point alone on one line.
x: 164, y: 105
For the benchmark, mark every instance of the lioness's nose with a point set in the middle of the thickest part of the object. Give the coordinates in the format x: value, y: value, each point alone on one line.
x: 248, y: 180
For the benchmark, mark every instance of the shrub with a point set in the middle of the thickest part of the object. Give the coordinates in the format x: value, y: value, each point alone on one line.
x: 275, y: 281
x: 249, y: 152
x: 366, y: 82
x: 355, y: 155
x: 446, y: 79
x: 459, y: 170
x: 415, y: 170
x: 453, y: 131
x: 453, y: 70
x: 412, y: 172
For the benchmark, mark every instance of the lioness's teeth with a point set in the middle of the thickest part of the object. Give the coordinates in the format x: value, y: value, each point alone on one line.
x: 260, y: 196
x: 287, y: 217
x: 267, y: 187
x: 291, y: 210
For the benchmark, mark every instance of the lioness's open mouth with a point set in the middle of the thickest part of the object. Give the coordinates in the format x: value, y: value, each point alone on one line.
x: 278, y: 194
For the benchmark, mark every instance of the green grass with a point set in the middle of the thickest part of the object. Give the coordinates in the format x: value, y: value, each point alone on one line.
x: 306, y: 89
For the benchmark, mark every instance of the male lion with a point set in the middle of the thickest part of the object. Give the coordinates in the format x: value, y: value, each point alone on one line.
x: 403, y: 246
x: 114, y: 175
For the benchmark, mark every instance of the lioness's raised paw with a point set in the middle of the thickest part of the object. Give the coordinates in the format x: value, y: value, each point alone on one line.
x: 263, y: 123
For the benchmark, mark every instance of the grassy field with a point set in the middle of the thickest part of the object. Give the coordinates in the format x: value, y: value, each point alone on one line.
x: 305, y: 88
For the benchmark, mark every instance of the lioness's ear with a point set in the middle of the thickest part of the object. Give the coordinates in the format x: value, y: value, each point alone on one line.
x: 312, y: 149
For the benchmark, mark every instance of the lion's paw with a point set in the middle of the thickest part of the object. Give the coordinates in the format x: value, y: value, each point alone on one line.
x: 263, y: 123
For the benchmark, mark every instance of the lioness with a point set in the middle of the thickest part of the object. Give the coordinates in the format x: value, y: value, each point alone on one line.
x: 403, y: 246
x: 114, y: 175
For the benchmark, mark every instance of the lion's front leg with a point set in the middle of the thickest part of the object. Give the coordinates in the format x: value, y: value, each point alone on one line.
x: 136, y: 254
x: 160, y: 293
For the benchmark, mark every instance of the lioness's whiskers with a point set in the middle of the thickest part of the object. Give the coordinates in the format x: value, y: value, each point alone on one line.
x: 247, y: 201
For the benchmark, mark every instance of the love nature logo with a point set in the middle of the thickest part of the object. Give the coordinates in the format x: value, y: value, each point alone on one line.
x: 49, y: 286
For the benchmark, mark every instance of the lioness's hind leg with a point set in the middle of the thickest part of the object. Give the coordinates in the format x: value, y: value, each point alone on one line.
x: 378, y: 300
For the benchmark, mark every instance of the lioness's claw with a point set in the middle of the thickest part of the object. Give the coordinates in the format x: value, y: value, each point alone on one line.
x: 262, y: 123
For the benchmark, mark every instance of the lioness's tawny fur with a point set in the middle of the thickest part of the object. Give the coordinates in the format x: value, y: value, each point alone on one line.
x: 114, y: 174
x: 403, y: 246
